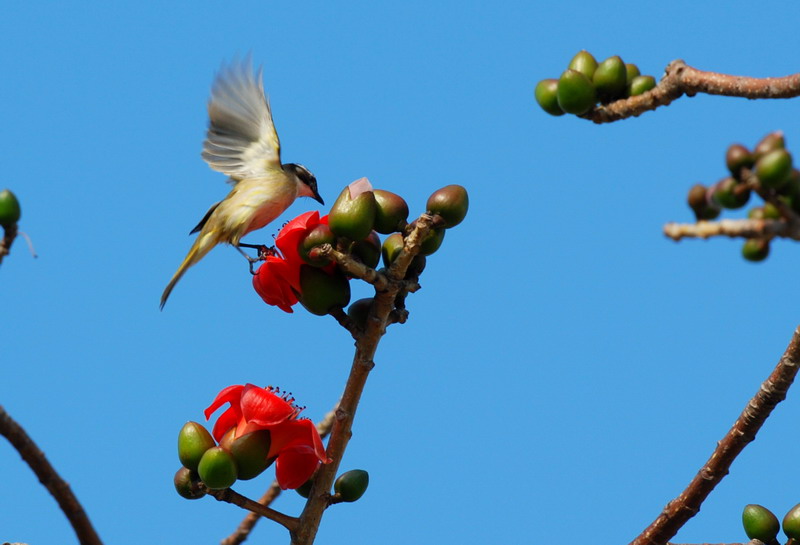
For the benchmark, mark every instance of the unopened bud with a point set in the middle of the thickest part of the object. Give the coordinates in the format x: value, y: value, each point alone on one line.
x: 193, y: 441
x: 352, y: 484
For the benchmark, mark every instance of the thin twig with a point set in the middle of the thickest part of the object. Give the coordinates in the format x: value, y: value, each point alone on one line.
x: 687, y: 504
x: 345, y: 321
x: 352, y: 267
x: 9, y: 234
x: 51, y: 480
x: 681, y: 79
x: 741, y: 228
x: 231, y: 496
x: 251, y: 519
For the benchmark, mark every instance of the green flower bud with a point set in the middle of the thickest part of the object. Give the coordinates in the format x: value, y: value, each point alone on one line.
x: 771, y: 142
x: 250, y: 454
x: 10, y: 211
x: 728, y: 193
x: 791, y: 523
x: 351, y: 485
x: 391, y: 213
x: 188, y: 485
x: 697, y: 197
x: 759, y: 523
x: 774, y: 168
x: 631, y: 71
x: 640, y: 85
x: 193, y: 441
x: 610, y: 78
x: 319, y: 235
x: 703, y: 207
x: 738, y: 157
x: 771, y: 211
x: 353, y: 216
x: 416, y: 266
x: 391, y: 248
x: 755, y: 249
x: 451, y: 203
x: 576, y: 93
x: 217, y: 468
x: 359, y: 311
x: 432, y: 241
x: 368, y: 250
x: 321, y: 292
x: 305, y: 489
x: 546, y: 95
x: 584, y: 62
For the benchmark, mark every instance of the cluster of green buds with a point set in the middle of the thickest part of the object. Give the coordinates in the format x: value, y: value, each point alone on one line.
x: 207, y: 465
x: 761, y: 524
x: 10, y: 211
x: 587, y: 82
x: 348, y: 487
x: 767, y: 170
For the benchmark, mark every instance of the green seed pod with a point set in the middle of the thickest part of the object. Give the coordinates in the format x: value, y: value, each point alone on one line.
x: 321, y: 292
x: 368, y: 250
x: 584, y: 62
x: 631, y: 71
x: 728, y: 193
x: 697, y: 198
x: 353, y: 217
x: 576, y: 93
x: 755, y: 249
x: 759, y: 523
x: 771, y: 211
x: 791, y: 523
x: 640, y: 85
x: 391, y: 248
x: 188, y: 485
x: 546, y: 95
x: 610, y: 78
x: 217, y: 468
x: 738, y: 157
x: 319, y: 235
x: 451, y: 203
x: 305, y: 489
x: 193, y: 441
x: 250, y: 454
x: 391, y: 213
x: 359, y: 311
x: 10, y: 211
x: 352, y: 484
x: 416, y: 266
x: 774, y: 168
x: 432, y: 241
x: 756, y: 213
x: 771, y: 142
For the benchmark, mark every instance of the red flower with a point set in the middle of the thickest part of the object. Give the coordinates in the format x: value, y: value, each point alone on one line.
x: 295, y: 442
x: 277, y: 280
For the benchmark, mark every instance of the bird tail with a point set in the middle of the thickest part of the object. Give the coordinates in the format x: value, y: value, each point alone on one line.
x: 202, y: 245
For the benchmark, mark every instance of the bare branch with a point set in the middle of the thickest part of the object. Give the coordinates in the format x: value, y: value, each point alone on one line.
x: 231, y: 496
x: 742, y: 228
x: 9, y: 234
x: 687, y: 504
x: 51, y: 480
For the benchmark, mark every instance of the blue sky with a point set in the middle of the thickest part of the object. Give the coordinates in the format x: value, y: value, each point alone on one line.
x: 565, y: 366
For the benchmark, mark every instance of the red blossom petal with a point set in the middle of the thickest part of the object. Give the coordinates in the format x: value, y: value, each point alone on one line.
x: 293, y: 232
x: 295, y: 465
x: 263, y: 408
x: 232, y: 415
x: 231, y: 395
x: 227, y: 420
x: 274, y: 281
x: 296, y: 432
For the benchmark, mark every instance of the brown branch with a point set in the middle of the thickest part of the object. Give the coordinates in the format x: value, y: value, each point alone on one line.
x: 681, y: 79
x: 687, y: 504
x: 751, y: 542
x: 742, y: 228
x: 242, y: 532
x: 51, y: 480
x: 352, y: 267
x: 231, y: 496
x: 9, y: 234
x: 345, y: 321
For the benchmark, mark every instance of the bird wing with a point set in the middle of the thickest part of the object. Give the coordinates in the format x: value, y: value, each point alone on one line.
x: 241, y: 140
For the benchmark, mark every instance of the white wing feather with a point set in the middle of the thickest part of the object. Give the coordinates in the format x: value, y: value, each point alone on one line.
x: 241, y: 140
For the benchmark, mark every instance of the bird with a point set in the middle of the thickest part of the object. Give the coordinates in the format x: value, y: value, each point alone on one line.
x: 242, y: 143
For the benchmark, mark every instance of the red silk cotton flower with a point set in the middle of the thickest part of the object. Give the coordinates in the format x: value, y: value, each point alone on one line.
x: 294, y: 441
x: 277, y: 280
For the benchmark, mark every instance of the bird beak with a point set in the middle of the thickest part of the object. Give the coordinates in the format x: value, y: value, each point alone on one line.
x: 318, y: 198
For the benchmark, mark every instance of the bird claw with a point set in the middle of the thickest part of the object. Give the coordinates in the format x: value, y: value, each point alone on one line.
x: 263, y: 253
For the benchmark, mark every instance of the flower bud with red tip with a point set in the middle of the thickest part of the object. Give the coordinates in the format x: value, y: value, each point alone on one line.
x: 353, y: 214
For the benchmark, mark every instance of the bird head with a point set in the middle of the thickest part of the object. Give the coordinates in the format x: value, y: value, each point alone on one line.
x: 308, y: 183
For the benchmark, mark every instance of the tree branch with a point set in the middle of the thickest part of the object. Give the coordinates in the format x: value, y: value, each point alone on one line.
x: 687, y: 504
x: 681, y: 79
x: 231, y: 496
x: 742, y: 228
x: 9, y: 234
x: 47, y: 475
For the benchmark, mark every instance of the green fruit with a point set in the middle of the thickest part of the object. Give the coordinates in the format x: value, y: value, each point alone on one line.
x: 697, y: 197
x: 188, y: 485
x: 791, y: 523
x: 392, y: 246
x: 738, y: 157
x: 351, y: 485
x: 756, y: 213
x: 576, y: 93
x: 546, y: 94
x: 432, y: 241
x: 391, y: 212
x: 755, y: 249
x: 631, y: 71
x: 359, y: 311
x: 250, y: 454
x: 610, y: 78
x: 321, y: 292
x: 771, y: 211
x: 319, y: 235
x: 583, y: 62
x: 305, y: 489
x: 771, y: 142
x: 193, y: 441
x: 451, y: 203
x: 728, y: 193
x: 774, y: 168
x: 353, y: 217
x: 10, y: 211
x: 640, y: 85
x: 217, y: 468
x: 759, y: 523
x: 368, y: 250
